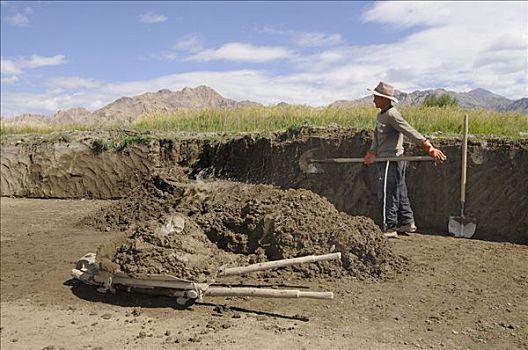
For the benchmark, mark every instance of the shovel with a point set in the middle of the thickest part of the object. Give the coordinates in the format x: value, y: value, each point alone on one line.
x: 309, y: 165
x: 462, y: 226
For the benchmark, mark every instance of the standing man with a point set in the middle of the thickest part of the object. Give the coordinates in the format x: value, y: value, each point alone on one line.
x: 388, y: 142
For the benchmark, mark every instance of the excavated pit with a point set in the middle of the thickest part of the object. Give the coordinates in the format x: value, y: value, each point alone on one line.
x: 80, y: 165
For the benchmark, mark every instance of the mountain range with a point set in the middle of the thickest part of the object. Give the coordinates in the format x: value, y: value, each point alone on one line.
x: 474, y: 99
x: 125, y: 110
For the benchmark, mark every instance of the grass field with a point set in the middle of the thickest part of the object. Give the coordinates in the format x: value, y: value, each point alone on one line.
x: 428, y: 120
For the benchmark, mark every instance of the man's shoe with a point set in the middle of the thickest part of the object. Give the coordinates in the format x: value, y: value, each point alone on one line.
x: 409, y: 228
x: 390, y: 234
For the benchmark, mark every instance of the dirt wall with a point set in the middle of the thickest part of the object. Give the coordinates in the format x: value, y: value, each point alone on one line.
x: 496, y: 193
x: 82, y: 165
x: 75, y: 168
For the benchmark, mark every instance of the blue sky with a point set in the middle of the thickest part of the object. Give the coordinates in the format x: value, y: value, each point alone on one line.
x: 60, y: 55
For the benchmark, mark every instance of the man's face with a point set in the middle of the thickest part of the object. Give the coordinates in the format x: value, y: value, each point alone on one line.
x: 381, y: 102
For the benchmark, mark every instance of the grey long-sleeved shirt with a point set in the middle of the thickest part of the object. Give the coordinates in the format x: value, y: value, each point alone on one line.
x: 388, y: 136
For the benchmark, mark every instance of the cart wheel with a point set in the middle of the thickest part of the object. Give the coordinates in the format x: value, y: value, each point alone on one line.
x: 185, y: 302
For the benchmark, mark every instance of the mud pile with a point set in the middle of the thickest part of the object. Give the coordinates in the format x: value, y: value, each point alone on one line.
x: 153, y: 249
x: 232, y: 223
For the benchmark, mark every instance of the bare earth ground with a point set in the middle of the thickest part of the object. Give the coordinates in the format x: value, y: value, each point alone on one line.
x: 455, y: 294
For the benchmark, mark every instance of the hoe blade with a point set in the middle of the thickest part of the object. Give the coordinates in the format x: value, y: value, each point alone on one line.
x: 463, y: 227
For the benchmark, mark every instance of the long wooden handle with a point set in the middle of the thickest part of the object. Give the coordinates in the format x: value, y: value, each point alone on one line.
x: 278, y: 263
x: 379, y: 159
x: 265, y: 293
x: 464, y: 166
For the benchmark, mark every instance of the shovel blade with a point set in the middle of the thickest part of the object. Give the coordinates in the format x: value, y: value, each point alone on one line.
x: 462, y: 226
x: 306, y: 164
x: 312, y: 168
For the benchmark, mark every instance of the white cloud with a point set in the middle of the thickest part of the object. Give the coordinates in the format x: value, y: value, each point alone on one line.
x: 41, y: 61
x: 73, y: 82
x: 322, y: 61
x: 509, y: 41
x: 13, y: 104
x: 18, y: 20
x: 269, y: 29
x: 9, y: 80
x: 190, y: 43
x: 405, y: 14
x: 35, y: 61
x: 9, y: 67
x: 243, y: 52
x: 165, y: 56
x: 314, y: 39
x: 303, y: 39
x: 151, y: 17
x: 463, y: 43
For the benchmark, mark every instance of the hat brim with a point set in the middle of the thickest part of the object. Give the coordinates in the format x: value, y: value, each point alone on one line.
x: 392, y: 98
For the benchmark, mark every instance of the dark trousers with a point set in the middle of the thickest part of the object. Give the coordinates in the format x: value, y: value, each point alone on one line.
x: 392, y: 194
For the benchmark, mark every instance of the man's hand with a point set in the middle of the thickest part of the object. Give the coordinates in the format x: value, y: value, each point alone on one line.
x: 369, y: 158
x: 435, y: 153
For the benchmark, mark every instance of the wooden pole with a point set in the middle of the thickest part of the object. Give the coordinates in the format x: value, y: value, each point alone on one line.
x: 379, y: 159
x: 277, y: 263
x: 265, y: 293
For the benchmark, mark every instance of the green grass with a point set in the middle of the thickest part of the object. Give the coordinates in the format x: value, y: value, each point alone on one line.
x: 449, y: 121
x: 255, y: 119
x: 427, y: 120
x: 8, y: 128
x: 133, y: 140
x: 119, y: 144
x: 438, y: 121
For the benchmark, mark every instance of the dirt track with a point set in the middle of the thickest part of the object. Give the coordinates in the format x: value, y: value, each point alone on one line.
x: 454, y: 294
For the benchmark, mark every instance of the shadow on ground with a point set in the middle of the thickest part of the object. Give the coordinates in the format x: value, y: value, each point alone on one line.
x: 124, y: 299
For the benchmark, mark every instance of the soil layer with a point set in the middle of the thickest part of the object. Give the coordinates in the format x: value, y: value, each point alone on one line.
x: 83, y: 165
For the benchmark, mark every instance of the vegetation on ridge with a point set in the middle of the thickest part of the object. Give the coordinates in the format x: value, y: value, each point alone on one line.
x: 439, y: 121
x: 428, y: 120
x: 440, y: 101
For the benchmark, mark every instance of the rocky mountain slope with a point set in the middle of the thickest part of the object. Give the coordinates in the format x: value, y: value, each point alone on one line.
x: 520, y: 105
x: 72, y: 116
x: 126, y: 110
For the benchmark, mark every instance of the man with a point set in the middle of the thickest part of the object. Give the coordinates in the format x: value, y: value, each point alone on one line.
x: 396, y: 209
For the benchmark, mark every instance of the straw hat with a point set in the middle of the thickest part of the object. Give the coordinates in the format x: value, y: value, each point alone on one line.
x: 384, y: 90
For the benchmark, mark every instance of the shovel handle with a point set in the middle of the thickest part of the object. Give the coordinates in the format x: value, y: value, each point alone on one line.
x: 379, y: 159
x: 464, y: 166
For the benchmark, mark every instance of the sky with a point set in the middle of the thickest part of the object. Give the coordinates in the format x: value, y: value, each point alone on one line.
x: 60, y: 55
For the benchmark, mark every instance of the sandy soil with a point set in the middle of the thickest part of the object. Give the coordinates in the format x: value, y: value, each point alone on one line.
x: 453, y: 294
